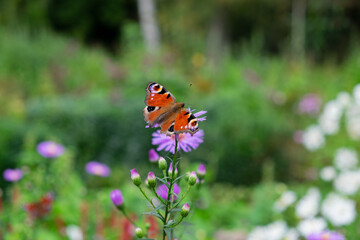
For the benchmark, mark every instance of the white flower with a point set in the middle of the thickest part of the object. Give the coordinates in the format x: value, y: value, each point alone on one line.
x: 273, y: 231
x: 311, y: 225
x: 332, y: 110
x: 330, y: 117
x: 345, y: 158
x: 291, y: 234
x: 344, y: 99
x: 356, y: 93
x: 285, y: 200
x: 338, y: 210
x: 348, y: 182
x: 258, y: 233
x: 74, y: 232
x: 353, y: 121
x: 328, y: 173
x: 313, y: 138
x: 276, y: 230
x: 308, y: 206
x: 353, y: 128
x: 328, y: 126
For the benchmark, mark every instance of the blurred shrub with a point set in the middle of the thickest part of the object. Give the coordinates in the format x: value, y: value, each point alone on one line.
x: 93, y: 103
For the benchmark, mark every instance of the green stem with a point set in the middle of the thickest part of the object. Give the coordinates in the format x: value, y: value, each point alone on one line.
x: 182, y: 198
x: 158, y: 197
x: 142, y: 191
x: 170, y: 188
x: 127, y: 216
x: 175, y: 224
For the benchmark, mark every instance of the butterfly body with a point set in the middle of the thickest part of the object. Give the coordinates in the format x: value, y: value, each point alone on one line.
x: 163, y: 110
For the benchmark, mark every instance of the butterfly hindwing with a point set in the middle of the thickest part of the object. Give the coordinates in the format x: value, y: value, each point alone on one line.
x: 185, y: 121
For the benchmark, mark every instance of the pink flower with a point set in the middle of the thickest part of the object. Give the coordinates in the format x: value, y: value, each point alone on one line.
x: 309, y: 104
x: 163, y: 190
x: 98, y: 169
x: 117, y: 198
x: 50, y: 149
x: 12, y: 175
x: 326, y: 235
x: 153, y: 155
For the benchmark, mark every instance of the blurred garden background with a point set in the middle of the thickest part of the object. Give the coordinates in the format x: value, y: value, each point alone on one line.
x: 279, y: 81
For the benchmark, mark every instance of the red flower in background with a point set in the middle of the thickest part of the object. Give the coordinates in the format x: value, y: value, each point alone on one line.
x: 41, y: 208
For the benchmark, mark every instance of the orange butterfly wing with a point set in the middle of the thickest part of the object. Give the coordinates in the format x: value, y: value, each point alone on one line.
x: 186, y: 122
x: 162, y: 109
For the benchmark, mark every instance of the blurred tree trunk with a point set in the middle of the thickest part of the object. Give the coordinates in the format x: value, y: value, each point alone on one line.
x: 298, y: 19
x: 149, y: 25
x: 216, y: 43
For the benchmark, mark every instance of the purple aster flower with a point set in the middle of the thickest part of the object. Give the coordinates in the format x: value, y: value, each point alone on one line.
x: 326, y: 235
x: 309, y: 104
x: 12, y: 175
x: 153, y: 155
x: 186, y: 142
x: 50, y: 149
x: 163, y: 190
x: 98, y: 169
x: 117, y: 198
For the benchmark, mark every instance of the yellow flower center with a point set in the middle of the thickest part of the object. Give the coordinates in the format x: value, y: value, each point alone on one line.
x: 325, y: 236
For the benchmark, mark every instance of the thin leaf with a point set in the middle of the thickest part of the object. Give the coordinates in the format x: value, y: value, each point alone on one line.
x: 178, y: 178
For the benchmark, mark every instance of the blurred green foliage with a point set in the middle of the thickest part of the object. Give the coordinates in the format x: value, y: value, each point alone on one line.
x: 92, y: 102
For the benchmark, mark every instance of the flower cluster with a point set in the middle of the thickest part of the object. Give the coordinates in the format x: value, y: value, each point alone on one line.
x: 345, y: 106
x: 317, y: 213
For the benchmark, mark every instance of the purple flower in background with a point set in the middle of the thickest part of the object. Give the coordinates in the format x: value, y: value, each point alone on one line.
x: 326, y: 235
x: 117, y: 198
x: 50, y: 149
x: 153, y: 155
x: 12, y: 175
x: 309, y: 104
x: 163, y: 190
x: 98, y: 169
x: 186, y: 142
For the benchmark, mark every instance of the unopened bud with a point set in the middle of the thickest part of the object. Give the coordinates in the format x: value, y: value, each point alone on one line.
x: 139, y: 233
x: 170, y: 171
x: 151, y: 179
x: 201, y: 171
x: 192, y: 178
x: 185, y: 210
x: 162, y: 163
x: 135, y: 177
x: 117, y: 198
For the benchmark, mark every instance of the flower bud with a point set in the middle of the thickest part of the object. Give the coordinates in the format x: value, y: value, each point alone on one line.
x: 192, y: 178
x: 201, y: 171
x: 162, y: 163
x: 153, y: 155
x: 151, y: 179
x: 139, y: 233
x: 170, y: 171
x: 185, y: 210
x: 117, y: 198
x: 135, y: 177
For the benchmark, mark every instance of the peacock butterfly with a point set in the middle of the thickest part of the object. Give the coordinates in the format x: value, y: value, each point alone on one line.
x: 163, y: 110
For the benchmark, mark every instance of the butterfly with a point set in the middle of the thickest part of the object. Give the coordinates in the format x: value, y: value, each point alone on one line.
x: 41, y: 208
x: 163, y: 110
